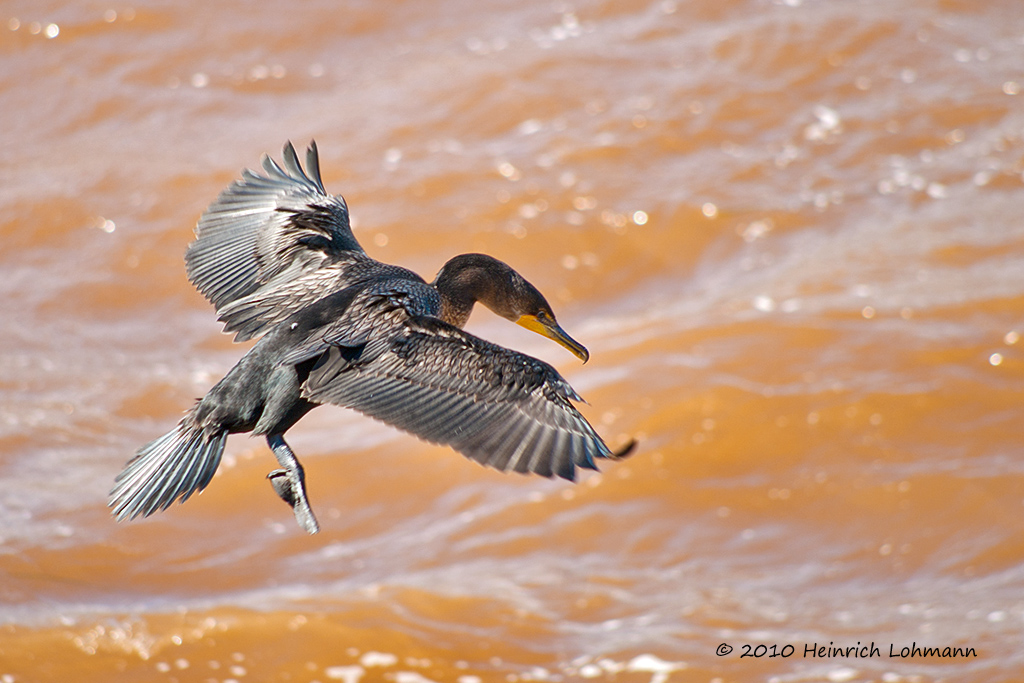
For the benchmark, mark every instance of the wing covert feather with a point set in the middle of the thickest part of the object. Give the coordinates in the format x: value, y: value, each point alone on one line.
x: 499, y: 407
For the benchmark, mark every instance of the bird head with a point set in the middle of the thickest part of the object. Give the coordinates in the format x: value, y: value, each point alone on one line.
x: 538, y: 317
x: 469, y: 278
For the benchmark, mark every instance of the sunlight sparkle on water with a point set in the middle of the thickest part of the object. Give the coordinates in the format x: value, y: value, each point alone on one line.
x: 764, y: 303
x: 372, y: 658
x: 509, y: 171
x: 348, y: 674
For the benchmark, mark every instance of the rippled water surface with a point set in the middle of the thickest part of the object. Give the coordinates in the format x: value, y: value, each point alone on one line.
x: 789, y: 232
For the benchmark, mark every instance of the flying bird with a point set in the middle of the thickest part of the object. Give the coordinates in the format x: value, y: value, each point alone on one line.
x: 276, y: 256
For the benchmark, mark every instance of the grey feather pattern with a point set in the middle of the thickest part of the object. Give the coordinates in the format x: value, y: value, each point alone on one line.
x: 499, y: 407
x: 270, y: 244
x: 172, y: 467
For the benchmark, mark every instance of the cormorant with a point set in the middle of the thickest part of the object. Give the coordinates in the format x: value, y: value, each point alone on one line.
x: 277, y: 258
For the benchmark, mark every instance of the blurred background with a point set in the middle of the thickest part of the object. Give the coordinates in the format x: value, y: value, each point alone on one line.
x: 789, y: 231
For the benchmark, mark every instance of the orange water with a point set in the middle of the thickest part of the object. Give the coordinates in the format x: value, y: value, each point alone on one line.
x: 789, y: 232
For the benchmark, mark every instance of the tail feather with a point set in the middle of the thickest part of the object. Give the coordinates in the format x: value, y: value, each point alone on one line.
x: 174, y: 466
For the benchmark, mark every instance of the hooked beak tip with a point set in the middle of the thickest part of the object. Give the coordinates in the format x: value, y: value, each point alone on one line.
x: 556, y: 334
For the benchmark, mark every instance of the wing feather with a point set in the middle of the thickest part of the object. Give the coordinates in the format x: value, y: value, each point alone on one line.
x: 268, y: 233
x: 499, y: 407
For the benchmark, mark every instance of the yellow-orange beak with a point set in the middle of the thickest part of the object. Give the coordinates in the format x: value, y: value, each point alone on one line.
x: 552, y: 331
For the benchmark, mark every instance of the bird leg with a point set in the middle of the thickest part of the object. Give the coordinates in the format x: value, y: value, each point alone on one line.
x: 290, y: 483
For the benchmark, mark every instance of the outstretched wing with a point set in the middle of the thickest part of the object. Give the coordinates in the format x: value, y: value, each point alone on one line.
x: 279, y: 233
x: 499, y: 407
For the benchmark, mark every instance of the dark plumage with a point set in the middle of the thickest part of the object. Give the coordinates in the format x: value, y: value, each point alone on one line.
x: 277, y: 258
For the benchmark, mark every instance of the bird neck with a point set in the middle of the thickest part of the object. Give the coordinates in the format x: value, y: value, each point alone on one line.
x: 456, y: 311
x: 469, y: 278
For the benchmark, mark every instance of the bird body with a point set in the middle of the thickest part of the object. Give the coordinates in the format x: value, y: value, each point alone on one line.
x: 276, y: 256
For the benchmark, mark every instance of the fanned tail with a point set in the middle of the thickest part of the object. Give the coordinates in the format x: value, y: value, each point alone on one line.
x: 174, y: 466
